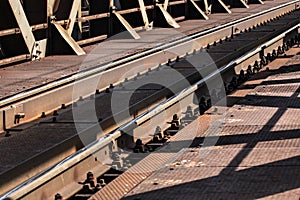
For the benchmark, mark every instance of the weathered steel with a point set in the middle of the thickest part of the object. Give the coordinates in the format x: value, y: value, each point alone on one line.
x: 168, y: 17
x: 7, y: 61
x: 69, y: 14
x: 77, y: 49
x: 132, y: 32
x: 64, y: 13
x: 72, y: 18
x: 24, y: 26
x: 144, y: 13
x: 198, y: 9
x: 226, y: 28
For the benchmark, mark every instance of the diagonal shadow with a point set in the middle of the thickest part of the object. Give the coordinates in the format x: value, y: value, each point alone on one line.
x: 231, y: 183
x: 251, y: 183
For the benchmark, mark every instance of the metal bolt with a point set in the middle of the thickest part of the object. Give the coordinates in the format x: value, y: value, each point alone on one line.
x: 7, y: 134
x: 80, y: 98
x: 102, y: 182
x: 97, y: 91
x: 18, y: 117
x: 249, y: 70
x: 63, y: 106
x: 43, y: 115
x: 55, y: 113
x: 169, y: 62
x: 58, y: 197
x: 189, y: 111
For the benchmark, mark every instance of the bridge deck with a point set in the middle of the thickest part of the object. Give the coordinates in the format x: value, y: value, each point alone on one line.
x: 255, y: 155
x: 19, y: 78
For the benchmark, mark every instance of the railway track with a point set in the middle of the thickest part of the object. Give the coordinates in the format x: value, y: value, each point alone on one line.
x: 259, y: 50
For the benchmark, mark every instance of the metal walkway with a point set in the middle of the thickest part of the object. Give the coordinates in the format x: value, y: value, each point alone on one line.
x: 256, y: 154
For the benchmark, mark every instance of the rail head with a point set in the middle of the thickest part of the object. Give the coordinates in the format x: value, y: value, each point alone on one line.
x: 72, y: 160
x: 98, y: 69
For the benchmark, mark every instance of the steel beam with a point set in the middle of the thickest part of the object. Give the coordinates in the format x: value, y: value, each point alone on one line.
x: 128, y: 27
x: 52, y: 7
x: 37, y: 49
x: 144, y: 14
x: 166, y: 3
x: 198, y: 9
x: 71, y: 42
x: 23, y: 23
x: 168, y: 17
x: 72, y: 17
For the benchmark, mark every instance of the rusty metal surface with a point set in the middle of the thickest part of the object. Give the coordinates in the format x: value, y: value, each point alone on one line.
x: 67, y: 122
x: 257, y: 153
x: 34, y: 106
x: 55, y: 67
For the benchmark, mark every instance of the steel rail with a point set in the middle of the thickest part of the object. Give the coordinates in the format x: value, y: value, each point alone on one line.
x: 98, y: 69
x: 76, y: 158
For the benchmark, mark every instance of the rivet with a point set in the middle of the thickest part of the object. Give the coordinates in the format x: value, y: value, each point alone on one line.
x: 55, y: 113
x: 43, y: 115
x: 7, y: 134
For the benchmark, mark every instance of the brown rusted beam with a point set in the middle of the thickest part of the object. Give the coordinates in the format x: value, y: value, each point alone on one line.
x: 179, y: 18
x: 92, y: 40
x: 122, y: 12
x: 14, y: 31
x: 71, y: 42
x: 93, y: 17
x: 14, y: 59
x: 172, y: 3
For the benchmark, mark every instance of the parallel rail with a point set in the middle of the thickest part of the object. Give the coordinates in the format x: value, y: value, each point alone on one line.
x: 27, y: 100
x: 94, y: 147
